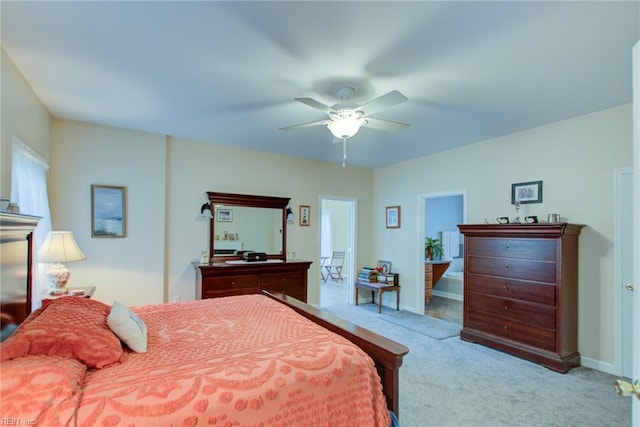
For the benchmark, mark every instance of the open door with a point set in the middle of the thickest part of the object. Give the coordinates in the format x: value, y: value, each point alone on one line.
x: 635, y: 414
x: 623, y: 387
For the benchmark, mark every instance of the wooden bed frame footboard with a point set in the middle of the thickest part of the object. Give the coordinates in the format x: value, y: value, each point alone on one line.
x: 386, y: 354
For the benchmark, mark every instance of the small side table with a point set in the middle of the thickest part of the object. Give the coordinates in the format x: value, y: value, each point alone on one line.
x: 380, y: 289
x: 87, y: 292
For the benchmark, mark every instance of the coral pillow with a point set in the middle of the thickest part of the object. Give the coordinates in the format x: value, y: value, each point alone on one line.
x: 128, y: 327
x: 70, y: 327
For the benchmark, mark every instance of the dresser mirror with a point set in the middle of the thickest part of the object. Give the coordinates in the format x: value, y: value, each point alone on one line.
x: 242, y: 222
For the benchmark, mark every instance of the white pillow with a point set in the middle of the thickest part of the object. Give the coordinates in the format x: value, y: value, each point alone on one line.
x: 128, y: 327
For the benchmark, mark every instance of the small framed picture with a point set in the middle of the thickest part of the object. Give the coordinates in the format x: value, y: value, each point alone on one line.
x: 224, y: 215
x: 304, y: 217
x: 393, y: 217
x: 108, y: 211
x: 385, y: 265
x: 526, y: 192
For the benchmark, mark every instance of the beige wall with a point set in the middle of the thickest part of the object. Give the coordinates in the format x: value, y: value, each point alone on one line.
x: 23, y: 115
x: 165, y: 179
x: 194, y: 168
x: 575, y: 159
x: 131, y: 269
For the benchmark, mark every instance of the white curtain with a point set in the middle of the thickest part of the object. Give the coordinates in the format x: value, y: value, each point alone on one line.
x: 29, y: 191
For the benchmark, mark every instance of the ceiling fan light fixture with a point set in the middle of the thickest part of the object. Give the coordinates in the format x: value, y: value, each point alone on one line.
x: 345, y: 127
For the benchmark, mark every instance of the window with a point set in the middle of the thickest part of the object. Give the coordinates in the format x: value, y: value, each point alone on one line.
x: 29, y: 191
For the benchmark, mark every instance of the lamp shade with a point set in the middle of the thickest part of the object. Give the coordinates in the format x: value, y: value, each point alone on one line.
x: 60, y: 246
x: 346, y: 127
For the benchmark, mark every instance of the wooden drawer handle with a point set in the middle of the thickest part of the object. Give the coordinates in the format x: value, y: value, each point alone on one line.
x: 506, y: 288
x: 506, y: 267
x: 506, y: 327
x: 506, y: 308
x: 506, y: 248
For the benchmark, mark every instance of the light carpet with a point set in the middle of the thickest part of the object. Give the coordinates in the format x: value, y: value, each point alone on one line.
x: 423, y: 325
x: 454, y: 383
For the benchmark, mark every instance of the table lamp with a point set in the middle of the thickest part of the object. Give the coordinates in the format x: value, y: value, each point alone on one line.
x: 59, y: 247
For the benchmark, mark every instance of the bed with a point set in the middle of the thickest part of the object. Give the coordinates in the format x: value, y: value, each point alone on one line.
x: 240, y: 360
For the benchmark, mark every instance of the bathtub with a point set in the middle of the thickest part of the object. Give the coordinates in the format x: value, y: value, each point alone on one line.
x: 451, y: 283
x: 454, y: 275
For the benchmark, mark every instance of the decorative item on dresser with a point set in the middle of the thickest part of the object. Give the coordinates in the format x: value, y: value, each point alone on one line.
x: 228, y: 274
x: 521, y: 290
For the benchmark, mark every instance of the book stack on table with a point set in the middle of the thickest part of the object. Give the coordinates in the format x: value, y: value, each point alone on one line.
x: 368, y: 275
x: 388, y: 279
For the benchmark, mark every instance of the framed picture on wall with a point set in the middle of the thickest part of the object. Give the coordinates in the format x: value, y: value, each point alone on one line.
x: 108, y: 211
x: 526, y: 192
x: 304, y: 218
x: 393, y: 217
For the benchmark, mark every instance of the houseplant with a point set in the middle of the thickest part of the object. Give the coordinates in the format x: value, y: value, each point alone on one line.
x: 433, y: 248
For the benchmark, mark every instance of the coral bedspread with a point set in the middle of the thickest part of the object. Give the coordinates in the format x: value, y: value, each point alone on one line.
x: 243, y: 360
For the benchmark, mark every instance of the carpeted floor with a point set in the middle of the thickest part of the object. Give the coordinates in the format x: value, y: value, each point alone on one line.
x: 423, y: 325
x: 452, y: 383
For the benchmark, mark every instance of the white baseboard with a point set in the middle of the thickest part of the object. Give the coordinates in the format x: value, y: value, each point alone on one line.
x: 449, y: 295
x: 598, y: 365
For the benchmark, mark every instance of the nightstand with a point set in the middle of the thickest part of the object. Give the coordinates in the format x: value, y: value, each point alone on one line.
x: 78, y: 292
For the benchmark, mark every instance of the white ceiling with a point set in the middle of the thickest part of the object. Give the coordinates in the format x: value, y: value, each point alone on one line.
x: 228, y: 72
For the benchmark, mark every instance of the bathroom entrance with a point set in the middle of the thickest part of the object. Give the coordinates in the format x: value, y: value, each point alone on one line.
x: 443, y: 295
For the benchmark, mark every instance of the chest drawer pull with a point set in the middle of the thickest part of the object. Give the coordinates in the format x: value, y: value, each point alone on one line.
x: 506, y: 267
x: 506, y: 288
x: 506, y: 327
x: 506, y: 308
x: 506, y: 248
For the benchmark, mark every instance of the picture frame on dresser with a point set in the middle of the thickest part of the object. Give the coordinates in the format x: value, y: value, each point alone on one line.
x: 108, y: 211
x: 224, y: 215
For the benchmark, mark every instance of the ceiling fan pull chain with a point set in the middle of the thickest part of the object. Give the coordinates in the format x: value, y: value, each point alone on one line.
x: 344, y: 152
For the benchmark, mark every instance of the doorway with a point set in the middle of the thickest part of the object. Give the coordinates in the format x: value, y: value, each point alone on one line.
x: 441, y: 214
x: 337, y: 235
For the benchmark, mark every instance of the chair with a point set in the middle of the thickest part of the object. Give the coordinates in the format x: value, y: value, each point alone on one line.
x: 334, y: 269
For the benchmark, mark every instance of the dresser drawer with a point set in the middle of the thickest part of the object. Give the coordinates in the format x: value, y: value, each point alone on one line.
x: 235, y: 282
x: 538, y: 271
x: 289, y: 283
x: 535, y: 249
x: 511, y: 309
x: 511, y: 288
x: 279, y: 280
x: 538, y: 337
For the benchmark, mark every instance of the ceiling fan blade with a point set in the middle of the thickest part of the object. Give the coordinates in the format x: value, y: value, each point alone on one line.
x: 383, y: 102
x: 386, y: 125
x: 315, y: 104
x: 306, y: 125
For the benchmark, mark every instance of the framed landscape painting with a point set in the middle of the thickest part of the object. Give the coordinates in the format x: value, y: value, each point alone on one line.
x: 108, y: 211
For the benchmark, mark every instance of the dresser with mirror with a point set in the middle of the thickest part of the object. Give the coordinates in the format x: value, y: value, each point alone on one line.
x: 248, y: 223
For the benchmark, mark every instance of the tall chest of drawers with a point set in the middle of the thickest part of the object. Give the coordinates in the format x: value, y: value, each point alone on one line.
x: 521, y: 290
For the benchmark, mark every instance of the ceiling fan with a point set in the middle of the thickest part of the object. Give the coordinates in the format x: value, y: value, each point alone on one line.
x: 345, y: 118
